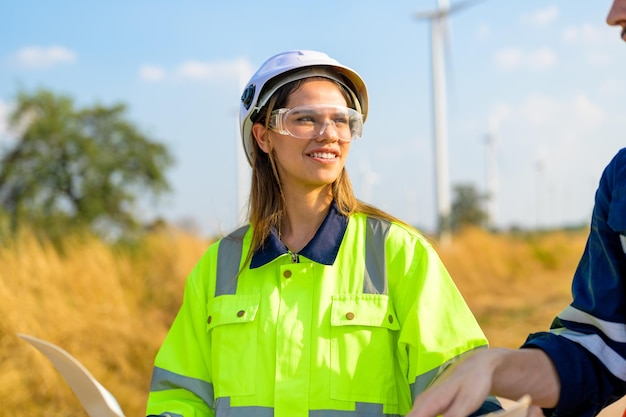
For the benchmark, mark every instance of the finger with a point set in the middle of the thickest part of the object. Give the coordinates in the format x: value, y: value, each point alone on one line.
x: 534, y: 411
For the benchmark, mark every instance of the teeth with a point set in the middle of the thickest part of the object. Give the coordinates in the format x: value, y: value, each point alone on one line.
x: 323, y: 155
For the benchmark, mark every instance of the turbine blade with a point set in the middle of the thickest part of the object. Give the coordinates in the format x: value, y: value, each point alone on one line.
x: 462, y: 5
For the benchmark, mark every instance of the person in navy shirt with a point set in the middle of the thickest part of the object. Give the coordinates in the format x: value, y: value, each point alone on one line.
x: 579, y: 366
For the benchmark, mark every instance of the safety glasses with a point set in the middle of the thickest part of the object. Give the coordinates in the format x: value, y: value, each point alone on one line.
x: 312, y: 121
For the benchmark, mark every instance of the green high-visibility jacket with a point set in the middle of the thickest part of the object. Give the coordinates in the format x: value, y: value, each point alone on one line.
x: 359, y: 330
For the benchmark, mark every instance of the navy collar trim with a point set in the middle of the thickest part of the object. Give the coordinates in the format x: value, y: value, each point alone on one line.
x: 323, y: 248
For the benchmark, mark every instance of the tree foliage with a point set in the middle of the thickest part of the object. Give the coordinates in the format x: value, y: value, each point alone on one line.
x: 74, y: 166
x: 467, y: 207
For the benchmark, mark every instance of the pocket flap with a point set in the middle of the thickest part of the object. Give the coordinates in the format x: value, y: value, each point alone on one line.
x: 363, y: 310
x: 232, y: 309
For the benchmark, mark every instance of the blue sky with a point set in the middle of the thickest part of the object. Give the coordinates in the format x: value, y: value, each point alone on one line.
x: 543, y: 77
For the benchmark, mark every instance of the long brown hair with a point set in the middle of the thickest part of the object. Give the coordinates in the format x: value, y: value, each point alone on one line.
x: 267, y: 202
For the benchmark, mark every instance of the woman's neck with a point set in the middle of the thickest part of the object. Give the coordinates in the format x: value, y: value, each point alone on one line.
x: 305, y: 212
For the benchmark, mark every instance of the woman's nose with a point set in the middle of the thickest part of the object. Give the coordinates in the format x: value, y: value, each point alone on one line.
x: 329, y: 133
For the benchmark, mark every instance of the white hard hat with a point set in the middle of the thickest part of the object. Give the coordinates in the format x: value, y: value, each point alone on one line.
x: 285, y: 68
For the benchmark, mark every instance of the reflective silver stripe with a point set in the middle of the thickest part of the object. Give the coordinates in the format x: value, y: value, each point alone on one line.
x: 613, y: 361
x: 615, y: 331
x: 424, y: 380
x: 622, y: 239
x: 361, y: 410
x: 228, y: 258
x: 224, y: 409
x: 375, y: 280
x: 163, y: 380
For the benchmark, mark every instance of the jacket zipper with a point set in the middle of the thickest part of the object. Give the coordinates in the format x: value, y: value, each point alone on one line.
x: 295, y: 258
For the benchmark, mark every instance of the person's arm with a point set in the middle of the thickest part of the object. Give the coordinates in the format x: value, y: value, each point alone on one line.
x: 586, y: 340
x: 181, y: 381
x: 502, y: 372
x: 438, y: 327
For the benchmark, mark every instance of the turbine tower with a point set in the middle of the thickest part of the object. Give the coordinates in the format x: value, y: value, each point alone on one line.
x: 438, y: 20
x: 491, y: 177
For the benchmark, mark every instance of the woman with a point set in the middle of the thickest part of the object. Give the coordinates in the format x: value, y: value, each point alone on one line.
x: 323, y: 305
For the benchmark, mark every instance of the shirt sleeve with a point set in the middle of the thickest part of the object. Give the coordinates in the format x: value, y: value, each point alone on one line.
x: 587, y: 340
x: 438, y: 326
x: 181, y: 382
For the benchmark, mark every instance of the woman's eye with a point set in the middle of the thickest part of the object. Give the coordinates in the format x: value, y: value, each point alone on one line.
x: 305, y: 120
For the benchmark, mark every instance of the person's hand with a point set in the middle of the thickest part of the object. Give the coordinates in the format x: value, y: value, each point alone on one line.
x: 462, y: 389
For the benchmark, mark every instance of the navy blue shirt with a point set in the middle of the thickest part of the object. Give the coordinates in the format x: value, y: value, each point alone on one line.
x: 587, y: 340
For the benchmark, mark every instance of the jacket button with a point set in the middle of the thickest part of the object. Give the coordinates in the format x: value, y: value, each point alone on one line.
x: 287, y: 273
x: 240, y: 313
x: 350, y: 315
x: 390, y: 318
x: 208, y: 321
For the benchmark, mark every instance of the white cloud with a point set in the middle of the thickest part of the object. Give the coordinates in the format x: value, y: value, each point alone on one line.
x: 586, y: 112
x: 612, y: 87
x: 194, y: 70
x: 598, y: 58
x: 575, y: 113
x: 585, y: 32
x: 42, y: 57
x: 510, y: 59
x: 483, y: 32
x: 539, y: 109
x: 219, y: 70
x: 151, y: 73
x: 498, y: 114
x: 542, y: 59
x: 541, y: 17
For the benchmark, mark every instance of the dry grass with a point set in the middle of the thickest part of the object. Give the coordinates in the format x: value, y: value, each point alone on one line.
x: 514, y: 284
x: 111, y: 307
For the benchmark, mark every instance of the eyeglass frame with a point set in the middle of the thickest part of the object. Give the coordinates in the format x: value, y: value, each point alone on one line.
x: 277, y: 116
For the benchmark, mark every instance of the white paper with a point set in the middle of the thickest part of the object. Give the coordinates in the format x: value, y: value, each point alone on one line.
x: 97, y: 401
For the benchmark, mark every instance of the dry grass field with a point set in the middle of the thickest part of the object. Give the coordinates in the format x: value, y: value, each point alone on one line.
x: 110, y: 307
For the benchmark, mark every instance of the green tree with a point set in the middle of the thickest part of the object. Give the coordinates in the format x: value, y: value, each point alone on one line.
x: 467, y: 207
x: 77, y: 167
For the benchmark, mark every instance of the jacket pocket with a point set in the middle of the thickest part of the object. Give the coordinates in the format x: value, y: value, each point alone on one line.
x: 234, y: 331
x: 364, y: 330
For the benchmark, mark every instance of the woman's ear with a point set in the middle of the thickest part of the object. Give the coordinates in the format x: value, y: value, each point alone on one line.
x: 258, y: 131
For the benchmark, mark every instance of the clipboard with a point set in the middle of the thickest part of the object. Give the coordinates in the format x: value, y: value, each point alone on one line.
x: 97, y: 400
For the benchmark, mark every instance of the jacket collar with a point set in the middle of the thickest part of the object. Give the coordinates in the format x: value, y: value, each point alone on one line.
x: 323, y: 248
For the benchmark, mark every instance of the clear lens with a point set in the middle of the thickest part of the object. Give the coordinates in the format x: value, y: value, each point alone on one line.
x: 312, y: 121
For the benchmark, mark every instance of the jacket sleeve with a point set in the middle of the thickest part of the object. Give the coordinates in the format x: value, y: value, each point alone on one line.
x: 587, y: 340
x: 181, y: 381
x: 437, y: 325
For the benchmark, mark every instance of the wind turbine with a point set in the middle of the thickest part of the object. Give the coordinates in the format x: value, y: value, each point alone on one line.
x: 491, y: 176
x: 438, y: 20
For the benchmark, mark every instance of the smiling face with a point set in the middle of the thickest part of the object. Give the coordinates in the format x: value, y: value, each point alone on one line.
x: 307, y: 164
